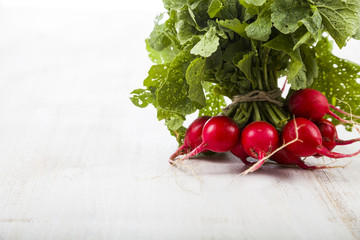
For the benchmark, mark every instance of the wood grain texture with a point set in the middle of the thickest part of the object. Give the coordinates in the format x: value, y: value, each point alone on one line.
x: 78, y: 161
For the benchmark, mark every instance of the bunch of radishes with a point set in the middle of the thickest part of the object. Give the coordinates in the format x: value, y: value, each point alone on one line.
x: 307, y: 134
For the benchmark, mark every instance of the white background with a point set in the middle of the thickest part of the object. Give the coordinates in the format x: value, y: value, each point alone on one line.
x: 79, y: 161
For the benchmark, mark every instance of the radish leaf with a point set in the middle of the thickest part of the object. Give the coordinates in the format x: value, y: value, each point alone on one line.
x: 338, y: 78
x: 207, y: 45
x: 287, y: 14
x: 340, y: 18
x: 261, y: 28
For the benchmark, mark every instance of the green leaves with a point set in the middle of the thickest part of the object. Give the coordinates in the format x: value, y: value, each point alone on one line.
x: 234, y: 25
x: 312, y: 22
x: 286, y: 14
x: 340, y: 18
x: 208, y: 44
x: 215, y: 7
x: 308, y: 56
x: 245, y: 65
x: 215, y: 102
x: 195, y: 74
x: 260, y: 29
x: 161, y: 45
x: 302, y: 68
x: 206, y: 50
x: 143, y: 97
x: 337, y: 79
x: 255, y: 2
x: 140, y: 98
x: 172, y: 95
x: 158, y: 39
x: 357, y: 34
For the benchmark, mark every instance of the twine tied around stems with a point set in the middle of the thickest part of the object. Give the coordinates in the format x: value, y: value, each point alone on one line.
x: 258, y: 96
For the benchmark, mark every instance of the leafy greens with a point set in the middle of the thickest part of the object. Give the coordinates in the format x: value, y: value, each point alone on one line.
x: 207, y: 50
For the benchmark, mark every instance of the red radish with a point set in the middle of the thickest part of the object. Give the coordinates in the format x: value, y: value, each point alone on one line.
x: 239, y: 152
x: 259, y: 139
x: 220, y: 134
x: 328, y: 133
x: 192, y: 137
x: 311, y: 104
x: 330, y: 136
x: 285, y: 157
x: 307, y: 139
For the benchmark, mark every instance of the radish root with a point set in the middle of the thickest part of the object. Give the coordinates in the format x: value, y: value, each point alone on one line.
x: 180, y: 163
x: 343, y: 112
x: 356, y: 125
x: 180, y: 185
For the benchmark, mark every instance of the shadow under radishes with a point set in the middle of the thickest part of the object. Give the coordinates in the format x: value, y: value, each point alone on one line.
x: 285, y: 157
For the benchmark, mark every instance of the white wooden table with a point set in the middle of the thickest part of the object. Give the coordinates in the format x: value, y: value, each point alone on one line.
x: 78, y: 161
